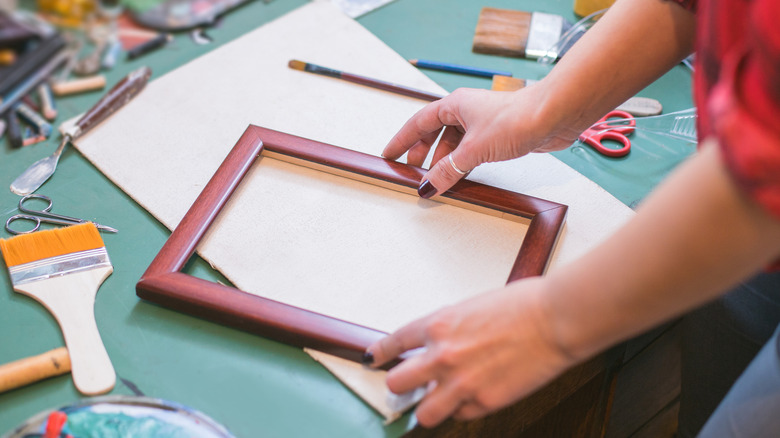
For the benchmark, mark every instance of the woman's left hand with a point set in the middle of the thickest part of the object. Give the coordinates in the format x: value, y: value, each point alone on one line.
x: 480, y: 355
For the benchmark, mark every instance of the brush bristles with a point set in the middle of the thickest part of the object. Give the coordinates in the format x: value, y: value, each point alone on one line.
x: 50, y: 243
x: 297, y: 65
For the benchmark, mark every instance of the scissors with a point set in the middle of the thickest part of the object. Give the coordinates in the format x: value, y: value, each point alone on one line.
x: 601, y: 130
x: 45, y: 215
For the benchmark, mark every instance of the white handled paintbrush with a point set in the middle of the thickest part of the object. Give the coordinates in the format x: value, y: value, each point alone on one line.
x: 63, y: 269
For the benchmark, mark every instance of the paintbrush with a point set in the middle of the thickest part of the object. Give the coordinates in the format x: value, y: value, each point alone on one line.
x: 63, y: 269
x: 520, y: 34
x: 362, y: 80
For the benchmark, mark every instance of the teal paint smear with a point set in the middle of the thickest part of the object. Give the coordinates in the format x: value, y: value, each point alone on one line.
x: 88, y: 423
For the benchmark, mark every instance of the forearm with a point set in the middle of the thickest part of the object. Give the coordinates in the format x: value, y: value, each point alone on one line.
x: 631, y: 46
x: 695, y: 237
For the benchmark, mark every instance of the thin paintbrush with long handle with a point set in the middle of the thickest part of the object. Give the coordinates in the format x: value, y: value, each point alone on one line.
x: 35, y: 175
x: 63, y: 269
x: 363, y: 80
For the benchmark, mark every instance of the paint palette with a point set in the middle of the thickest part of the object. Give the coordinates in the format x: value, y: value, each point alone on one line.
x: 124, y: 416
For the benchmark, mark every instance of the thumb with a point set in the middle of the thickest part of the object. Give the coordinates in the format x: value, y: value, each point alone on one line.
x: 444, y: 174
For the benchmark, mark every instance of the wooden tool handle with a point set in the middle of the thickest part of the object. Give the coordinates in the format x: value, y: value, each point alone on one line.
x: 32, y: 369
x: 76, y: 86
x: 71, y: 299
x: 116, y: 98
x: 92, y: 371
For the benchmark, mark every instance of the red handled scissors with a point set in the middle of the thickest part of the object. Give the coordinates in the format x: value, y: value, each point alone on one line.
x: 602, y: 130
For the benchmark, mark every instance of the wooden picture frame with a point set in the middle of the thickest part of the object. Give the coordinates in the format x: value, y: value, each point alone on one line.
x: 164, y: 283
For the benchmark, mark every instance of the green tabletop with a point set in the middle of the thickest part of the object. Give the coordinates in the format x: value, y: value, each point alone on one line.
x: 257, y: 387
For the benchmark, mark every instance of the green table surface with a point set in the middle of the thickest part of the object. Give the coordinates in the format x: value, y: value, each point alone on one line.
x: 254, y: 386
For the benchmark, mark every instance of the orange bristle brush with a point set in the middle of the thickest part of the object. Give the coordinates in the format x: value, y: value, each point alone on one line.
x: 63, y: 269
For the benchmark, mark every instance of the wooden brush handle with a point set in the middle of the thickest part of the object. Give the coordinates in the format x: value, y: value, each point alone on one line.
x: 71, y: 299
x: 32, y: 369
x: 76, y: 86
x: 116, y: 98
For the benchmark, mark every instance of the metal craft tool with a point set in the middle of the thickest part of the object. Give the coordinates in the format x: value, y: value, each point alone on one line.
x: 44, y: 215
x: 124, y: 91
x: 363, y: 80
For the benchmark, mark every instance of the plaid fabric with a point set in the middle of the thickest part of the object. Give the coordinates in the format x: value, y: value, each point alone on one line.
x: 737, y: 89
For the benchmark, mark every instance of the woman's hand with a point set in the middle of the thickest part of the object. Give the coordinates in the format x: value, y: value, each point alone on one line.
x: 480, y: 355
x: 480, y: 126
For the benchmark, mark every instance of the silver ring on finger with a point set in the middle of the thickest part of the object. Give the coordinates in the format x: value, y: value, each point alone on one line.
x: 452, y: 163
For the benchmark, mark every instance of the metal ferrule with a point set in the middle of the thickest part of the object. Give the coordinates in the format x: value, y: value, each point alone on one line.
x: 544, y: 33
x: 59, y: 266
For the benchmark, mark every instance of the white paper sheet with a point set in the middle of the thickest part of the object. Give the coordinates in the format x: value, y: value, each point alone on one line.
x: 165, y: 145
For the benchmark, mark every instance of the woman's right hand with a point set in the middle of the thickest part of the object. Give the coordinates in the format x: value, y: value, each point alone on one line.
x: 480, y: 126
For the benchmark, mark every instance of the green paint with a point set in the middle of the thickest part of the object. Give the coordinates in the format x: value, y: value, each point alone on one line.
x: 89, y: 423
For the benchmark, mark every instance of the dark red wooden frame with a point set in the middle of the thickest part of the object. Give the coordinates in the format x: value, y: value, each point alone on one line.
x: 163, y: 283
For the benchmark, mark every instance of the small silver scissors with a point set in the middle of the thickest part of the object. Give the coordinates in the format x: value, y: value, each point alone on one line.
x: 45, y: 215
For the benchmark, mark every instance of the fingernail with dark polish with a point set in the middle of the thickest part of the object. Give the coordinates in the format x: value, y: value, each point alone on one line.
x: 368, y: 358
x: 426, y: 189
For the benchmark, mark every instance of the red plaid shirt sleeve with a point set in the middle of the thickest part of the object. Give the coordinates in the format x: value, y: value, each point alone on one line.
x: 737, y: 90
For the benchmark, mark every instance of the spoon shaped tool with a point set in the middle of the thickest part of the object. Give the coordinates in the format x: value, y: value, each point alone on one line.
x: 124, y: 91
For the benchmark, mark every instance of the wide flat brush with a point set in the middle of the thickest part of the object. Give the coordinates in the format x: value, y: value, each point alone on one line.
x: 363, y: 80
x: 63, y: 269
x: 521, y: 34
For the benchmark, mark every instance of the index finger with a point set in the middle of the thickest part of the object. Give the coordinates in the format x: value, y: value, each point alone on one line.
x: 406, y: 338
x: 430, y: 119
